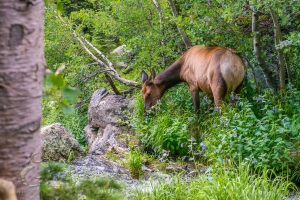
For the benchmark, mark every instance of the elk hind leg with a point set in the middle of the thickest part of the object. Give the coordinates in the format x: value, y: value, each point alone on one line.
x: 237, y: 91
x: 219, y: 92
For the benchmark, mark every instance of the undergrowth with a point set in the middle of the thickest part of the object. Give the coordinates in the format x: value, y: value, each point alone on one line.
x: 68, y: 187
x: 220, y: 183
x: 261, y: 130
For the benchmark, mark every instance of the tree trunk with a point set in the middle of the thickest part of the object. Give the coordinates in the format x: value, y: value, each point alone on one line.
x: 288, y: 69
x: 184, y: 36
x: 257, y: 50
x: 22, y: 68
x: 278, y: 39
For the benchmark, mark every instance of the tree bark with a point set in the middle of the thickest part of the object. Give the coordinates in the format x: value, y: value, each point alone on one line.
x: 278, y: 39
x: 257, y: 50
x: 288, y: 69
x: 184, y: 36
x: 22, y: 68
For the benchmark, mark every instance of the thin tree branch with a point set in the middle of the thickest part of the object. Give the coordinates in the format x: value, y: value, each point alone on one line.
x: 184, y: 36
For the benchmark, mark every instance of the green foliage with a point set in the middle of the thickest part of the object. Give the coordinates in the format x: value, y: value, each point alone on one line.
x: 70, y: 188
x: 263, y: 131
x: 55, y: 84
x: 220, y: 183
x: 135, y: 161
x: 169, y: 128
x: 74, y: 122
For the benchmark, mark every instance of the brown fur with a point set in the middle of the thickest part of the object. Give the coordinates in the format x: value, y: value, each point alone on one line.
x: 217, y: 71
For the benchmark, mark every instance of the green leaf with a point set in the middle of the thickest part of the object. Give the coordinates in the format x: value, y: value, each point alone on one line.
x: 60, y: 6
x: 70, y: 94
x: 66, y: 108
x: 57, y: 80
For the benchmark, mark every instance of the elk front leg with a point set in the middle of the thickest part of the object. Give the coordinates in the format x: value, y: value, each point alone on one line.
x: 195, y: 94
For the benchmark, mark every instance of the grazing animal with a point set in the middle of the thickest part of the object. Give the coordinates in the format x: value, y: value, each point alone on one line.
x: 216, y: 71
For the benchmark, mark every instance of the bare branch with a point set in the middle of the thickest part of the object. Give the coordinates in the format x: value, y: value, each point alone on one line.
x: 112, y: 84
x: 98, y: 52
x: 108, y: 66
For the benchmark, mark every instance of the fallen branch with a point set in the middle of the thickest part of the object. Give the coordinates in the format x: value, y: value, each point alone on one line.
x: 111, y: 83
x: 107, y: 65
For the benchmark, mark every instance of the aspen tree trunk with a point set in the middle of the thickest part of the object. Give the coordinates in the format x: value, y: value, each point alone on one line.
x: 22, y: 68
x: 184, y: 36
x: 257, y: 51
x: 278, y: 39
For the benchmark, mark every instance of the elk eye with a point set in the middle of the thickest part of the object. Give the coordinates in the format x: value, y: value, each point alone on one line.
x: 148, y: 95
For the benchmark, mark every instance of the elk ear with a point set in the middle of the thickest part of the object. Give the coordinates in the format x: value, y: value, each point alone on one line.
x: 144, y: 76
x: 153, y: 74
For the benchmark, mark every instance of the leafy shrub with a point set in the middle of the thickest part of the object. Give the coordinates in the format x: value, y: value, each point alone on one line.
x: 263, y: 131
x: 169, y: 128
x: 267, y: 138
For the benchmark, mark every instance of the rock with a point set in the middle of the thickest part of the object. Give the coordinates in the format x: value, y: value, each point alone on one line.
x: 106, y: 108
x: 59, y: 144
x: 121, y: 65
x: 97, y: 165
x: 120, y: 50
x: 99, y: 140
x: 106, y: 117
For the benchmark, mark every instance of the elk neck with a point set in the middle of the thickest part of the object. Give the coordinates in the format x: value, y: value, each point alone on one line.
x: 170, y: 76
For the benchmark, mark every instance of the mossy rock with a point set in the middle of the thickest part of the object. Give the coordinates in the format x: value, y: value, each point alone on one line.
x: 59, y: 144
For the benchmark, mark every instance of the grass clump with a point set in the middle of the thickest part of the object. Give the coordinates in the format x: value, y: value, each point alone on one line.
x: 70, y: 188
x: 134, y: 162
x: 222, y: 183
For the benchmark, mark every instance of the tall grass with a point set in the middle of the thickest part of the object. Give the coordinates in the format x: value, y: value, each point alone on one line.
x: 223, y: 183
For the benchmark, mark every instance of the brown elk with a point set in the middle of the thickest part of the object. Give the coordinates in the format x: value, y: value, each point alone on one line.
x: 216, y: 71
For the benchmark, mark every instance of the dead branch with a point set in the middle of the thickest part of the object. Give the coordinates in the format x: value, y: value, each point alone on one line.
x: 107, y: 66
x: 111, y: 83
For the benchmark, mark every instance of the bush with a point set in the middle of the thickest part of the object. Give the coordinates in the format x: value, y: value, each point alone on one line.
x: 267, y: 141
x: 169, y: 128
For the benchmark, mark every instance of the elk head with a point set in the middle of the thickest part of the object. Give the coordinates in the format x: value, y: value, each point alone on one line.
x: 151, y: 92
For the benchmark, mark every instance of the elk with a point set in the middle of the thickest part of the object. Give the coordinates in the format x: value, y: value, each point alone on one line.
x: 216, y: 71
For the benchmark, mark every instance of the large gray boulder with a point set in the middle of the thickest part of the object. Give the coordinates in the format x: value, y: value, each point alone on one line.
x: 59, y: 144
x: 107, y: 115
